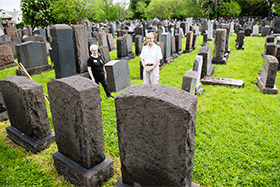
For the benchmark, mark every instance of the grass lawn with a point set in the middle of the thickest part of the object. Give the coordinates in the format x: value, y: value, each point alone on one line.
x: 237, y: 139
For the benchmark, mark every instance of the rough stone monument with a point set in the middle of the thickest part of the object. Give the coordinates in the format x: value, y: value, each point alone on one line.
x: 166, y: 39
x: 219, y: 47
x: 138, y: 45
x: 24, y: 100
x: 6, y: 57
x: 156, y: 136
x: 189, y: 40
x: 76, y: 111
x: 207, y: 67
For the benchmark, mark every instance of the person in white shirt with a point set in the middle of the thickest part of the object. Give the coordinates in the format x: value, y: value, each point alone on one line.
x: 150, y: 57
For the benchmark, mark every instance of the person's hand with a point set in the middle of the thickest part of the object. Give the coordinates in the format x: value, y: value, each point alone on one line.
x: 148, y: 70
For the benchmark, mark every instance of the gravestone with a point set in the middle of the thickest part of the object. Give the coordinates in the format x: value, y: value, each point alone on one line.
x: 276, y: 29
x: 226, y: 26
x: 156, y: 138
x: 189, y: 40
x: 277, y: 55
x: 255, y: 30
x: 6, y: 57
x: 210, y: 31
x: 28, y: 38
x: 111, y: 43
x: 191, y: 80
x: 80, y: 48
x: 266, y: 30
x: 118, y: 76
x: 277, y: 41
x: 11, y: 44
x: 128, y: 38
x: 267, y: 77
x: 90, y: 42
x: 5, y: 38
x: 76, y: 111
x: 208, y: 80
x: 161, y: 45
x: 269, y: 38
x: 166, y: 39
x: 33, y: 57
x: 173, y: 47
x: 138, y: 44
x: 207, y: 67
x: 178, y: 44
x: 121, y: 48
x: 25, y: 32
x: 239, y: 42
x: 63, y: 50
x: 194, y: 41
x: 104, y: 53
x: 24, y: 101
x: 10, y: 31
x: 219, y: 47
x: 270, y: 48
x: 3, y: 110
x: 102, y: 40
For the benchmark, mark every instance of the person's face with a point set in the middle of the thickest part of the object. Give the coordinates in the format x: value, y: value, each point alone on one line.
x: 94, y: 51
x: 150, y: 39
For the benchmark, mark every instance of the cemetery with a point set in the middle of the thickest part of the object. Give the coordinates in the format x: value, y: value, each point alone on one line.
x: 213, y: 119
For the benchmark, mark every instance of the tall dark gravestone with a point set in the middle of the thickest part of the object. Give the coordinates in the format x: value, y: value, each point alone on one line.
x: 219, y: 47
x: 76, y: 111
x: 156, y: 136
x: 178, y: 44
x: 33, y: 56
x: 63, y: 50
x: 24, y: 100
x: 110, y: 42
x: 267, y: 77
x: 104, y: 53
x: 207, y: 67
x: 138, y: 45
x: 226, y: 26
x: 239, y: 42
x: 166, y: 39
x: 80, y: 47
x: 121, y: 47
x: 189, y: 40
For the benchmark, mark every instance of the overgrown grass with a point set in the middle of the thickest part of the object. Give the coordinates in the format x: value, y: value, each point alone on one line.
x: 237, y: 129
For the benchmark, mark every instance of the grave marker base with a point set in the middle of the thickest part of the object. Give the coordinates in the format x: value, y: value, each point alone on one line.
x: 131, y: 55
x: 180, y: 52
x: 175, y: 55
x: 219, y: 60
x: 7, y: 66
x: 35, y: 70
x: 199, y: 91
x: 121, y: 184
x: 27, y: 142
x: 168, y: 60
x: 78, y: 175
x: 222, y: 81
x: 4, y: 116
x: 188, y: 51
x: 211, y: 70
x: 266, y: 90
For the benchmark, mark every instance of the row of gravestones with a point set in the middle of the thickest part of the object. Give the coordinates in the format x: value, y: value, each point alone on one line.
x: 157, y: 151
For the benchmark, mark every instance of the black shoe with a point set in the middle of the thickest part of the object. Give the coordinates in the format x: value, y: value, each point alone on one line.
x: 111, y: 96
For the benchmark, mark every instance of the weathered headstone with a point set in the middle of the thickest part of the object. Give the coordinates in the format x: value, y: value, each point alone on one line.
x: 121, y: 48
x: 277, y: 55
x: 118, y: 76
x: 189, y: 40
x: 76, y: 111
x: 24, y: 100
x: 207, y: 67
x: 270, y: 48
x: 33, y: 56
x: 166, y: 39
x: 63, y: 50
x: 178, y: 44
x: 11, y: 44
x: 255, y: 30
x: 191, y: 80
x: 210, y: 31
x: 194, y: 41
x: 105, y: 53
x: 226, y: 26
x: 80, y: 47
x: 111, y: 43
x: 222, y: 81
x: 5, y: 38
x: 102, y: 40
x: 266, y: 30
x: 173, y: 47
x: 219, y: 47
x: 239, y: 42
x: 3, y: 110
x: 156, y: 138
x: 138, y: 44
x: 6, y: 57
x: 28, y: 38
x: 267, y: 77
x: 11, y: 31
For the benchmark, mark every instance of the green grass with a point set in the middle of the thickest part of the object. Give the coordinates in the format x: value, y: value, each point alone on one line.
x: 237, y: 129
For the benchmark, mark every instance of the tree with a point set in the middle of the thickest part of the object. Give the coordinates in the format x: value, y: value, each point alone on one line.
x: 159, y: 9
x: 133, y: 7
x: 231, y: 9
x: 37, y: 12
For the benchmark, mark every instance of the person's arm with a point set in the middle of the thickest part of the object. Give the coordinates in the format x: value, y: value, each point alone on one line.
x: 144, y: 66
x: 105, y: 74
x: 90, y: 73
x: 156, y: 63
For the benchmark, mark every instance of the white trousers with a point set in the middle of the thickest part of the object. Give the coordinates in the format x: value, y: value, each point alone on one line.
x: 152, y: 77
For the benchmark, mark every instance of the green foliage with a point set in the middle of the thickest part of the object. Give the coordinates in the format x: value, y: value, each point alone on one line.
x: 141, y: 9
x: 37, y: 12
x: 20, y: 25
x: 134, y: 6
x: 229, y: 10
x: 277, y: 9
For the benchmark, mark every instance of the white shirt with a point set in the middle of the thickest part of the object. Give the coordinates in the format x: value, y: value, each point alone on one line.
x: 151, y: 55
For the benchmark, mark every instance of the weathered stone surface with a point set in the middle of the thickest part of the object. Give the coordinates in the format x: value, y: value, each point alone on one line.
x: 77, y: 119
x: 138, y: 44
x: 269, y: 71
x: 76, y: 112
x: 227, y: 26
x: 269, y: 38
x: 118, y: 76
x: 29, y: 38
x: 189, y: 81
x: 240, y: 40
x: 270, y: 48
x: 111, y: 42
x: 121, y: 47
x: 207, y: 67
x: 222, y: 81
x: 80, y: 47
x: 189, y: 40
x: 178, y: 43
x: 6, y: 55
x: 128, y: 43
x: 3, y: 111
x: 166, y: 39
x: 277, y: 55
x: 63, y: 50
x: 194, y: 41
x: 156, y: 136
x: 105, y: 53
x: 219, y: 47
x: 12, y: 46
x: 266, y: 31
x: 11, y: 31
x: 102, y: 40
x: 5, y: 38
x: 173, y: 47
x: 24, y: 100
x: 255, y: 30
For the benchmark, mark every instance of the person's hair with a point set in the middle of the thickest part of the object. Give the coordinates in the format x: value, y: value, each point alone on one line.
x: 152, y: 34
x: 93, y: 46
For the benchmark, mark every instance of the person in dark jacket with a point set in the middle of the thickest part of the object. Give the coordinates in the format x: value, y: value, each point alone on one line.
x: 97, y: 70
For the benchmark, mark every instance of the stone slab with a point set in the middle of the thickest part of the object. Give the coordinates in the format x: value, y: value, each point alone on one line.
x: 80, y: 176
x: 219, y: 60
x: 4, y: 116
x: 264, y: 89
x: 27, y: 142
x: 222, y: 81
x: 35, y: 70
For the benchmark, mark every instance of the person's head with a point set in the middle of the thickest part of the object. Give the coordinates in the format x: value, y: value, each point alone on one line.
x: 150, y: 38
x: 94, y: 49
